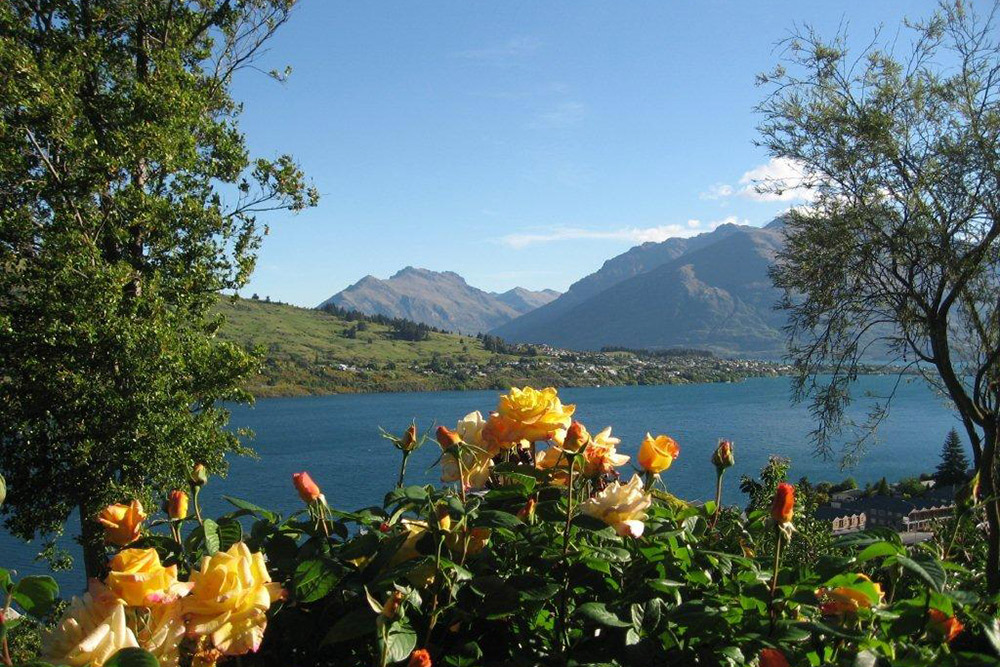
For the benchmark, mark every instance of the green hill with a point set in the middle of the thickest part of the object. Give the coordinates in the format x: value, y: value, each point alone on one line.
x: 310, y: 351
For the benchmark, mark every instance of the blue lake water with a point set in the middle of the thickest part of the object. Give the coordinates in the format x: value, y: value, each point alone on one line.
x: 336, y: 439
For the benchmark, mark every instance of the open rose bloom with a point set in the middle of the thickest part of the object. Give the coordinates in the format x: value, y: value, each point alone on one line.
x: 122, y: 523
x: 230, y: 595
x: 534, y: 415
x: 622, y: 506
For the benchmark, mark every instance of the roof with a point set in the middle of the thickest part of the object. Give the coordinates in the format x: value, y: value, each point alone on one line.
x: 830, y: 513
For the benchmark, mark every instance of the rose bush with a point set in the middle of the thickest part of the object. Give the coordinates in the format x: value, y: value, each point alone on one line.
x: 534, y: 551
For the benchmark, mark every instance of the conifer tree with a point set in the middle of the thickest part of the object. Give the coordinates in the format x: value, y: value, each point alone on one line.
x: 954, y: 465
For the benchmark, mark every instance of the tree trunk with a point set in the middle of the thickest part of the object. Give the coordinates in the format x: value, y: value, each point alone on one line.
x: 988, y: 484
x: 92, y: 541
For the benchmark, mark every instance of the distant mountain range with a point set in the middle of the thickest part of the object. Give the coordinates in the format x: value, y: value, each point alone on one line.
x: 711, y: 291
x: 439, y: 299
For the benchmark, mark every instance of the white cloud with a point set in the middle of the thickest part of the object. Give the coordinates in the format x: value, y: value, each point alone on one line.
x: 631, y: 234
x: 512, y: 48
x: 780, y: 179
x: 717, y: 191
x: 565, y: 114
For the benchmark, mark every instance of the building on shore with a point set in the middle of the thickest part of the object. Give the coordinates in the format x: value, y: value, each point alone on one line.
x: 842, y: 520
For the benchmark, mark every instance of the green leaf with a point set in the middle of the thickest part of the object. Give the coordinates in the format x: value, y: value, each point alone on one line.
x: 36, y: 594
x: 400, y: 642
x: 132, y: 657
x: 877, y: 550
x: 230, y: 532
x: 495, y: 519
x: 213, y: 540
x: 273, y: 517
x: 598, y: 613
x: 355, y: 624
x: 926, y: 568
x: 314, y: 579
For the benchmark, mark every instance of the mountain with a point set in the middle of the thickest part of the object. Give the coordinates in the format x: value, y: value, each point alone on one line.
x: 439, y: 299
x: 709, y: 291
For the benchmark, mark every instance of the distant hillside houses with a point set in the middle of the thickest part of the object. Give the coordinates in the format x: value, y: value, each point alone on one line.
x: 852, y: 511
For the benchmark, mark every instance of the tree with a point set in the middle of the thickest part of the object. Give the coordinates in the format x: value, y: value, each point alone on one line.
x: 954, y: 466
x: 128, y: 202
x: 897, y: 252
x: 882, y: 488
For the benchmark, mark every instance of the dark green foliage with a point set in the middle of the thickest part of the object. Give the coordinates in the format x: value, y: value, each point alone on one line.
x: 128, y: 202
x: 954, y: 466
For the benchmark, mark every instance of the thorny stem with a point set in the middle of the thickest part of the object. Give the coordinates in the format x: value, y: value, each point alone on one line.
x: 954, y: 535
x: 3, y: 620
x: 195, y: 490
x: 437, y: 586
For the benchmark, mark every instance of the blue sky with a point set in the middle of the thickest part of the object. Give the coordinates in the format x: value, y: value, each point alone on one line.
x: 516, y: 143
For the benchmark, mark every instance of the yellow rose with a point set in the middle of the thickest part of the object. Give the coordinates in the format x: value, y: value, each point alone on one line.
x: 92, y: 630
x: 140, y: 580
x: 657, y: 454
x: 621, y: 506
x: 478, y: 538
x: 122, y: 523
x: 600, y: 456
x: 229, y: 599
x: 535, y: 415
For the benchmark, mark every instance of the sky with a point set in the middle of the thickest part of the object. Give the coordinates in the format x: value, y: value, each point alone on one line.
x: 518, y: 143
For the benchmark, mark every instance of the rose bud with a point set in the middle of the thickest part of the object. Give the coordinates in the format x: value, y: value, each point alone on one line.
x: 420, y: 658
x: 122, y: 523
x: 968, y: 495
x: 447, y: 438
x: 307, y: 488
x: 392, y: 604
x: 942, y: 626
x: 443, y: 518
x: 527, y: 513
x: 199, y: 475
x: 723, y: 457
x: 576, y: 438
x: 772, y: 657
x: 177, y: 505
x: 409, y: 439
x: 783, y: 505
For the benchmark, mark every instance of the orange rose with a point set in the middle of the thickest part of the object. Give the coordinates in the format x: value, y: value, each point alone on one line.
x: 657, y: 454
x: 409, y: 439
x: 783, y: 505
x: 307, y: 488
x: 843, y: 600
x: 576, y: 438
x: 122, y: 523
x: 943, y: 626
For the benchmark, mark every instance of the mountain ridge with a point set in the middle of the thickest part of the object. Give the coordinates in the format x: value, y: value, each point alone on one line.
x: 441, y: 299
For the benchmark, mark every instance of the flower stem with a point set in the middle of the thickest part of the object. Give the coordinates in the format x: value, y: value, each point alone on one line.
x: 774, y: 577
x: 718, y: 498
x: 561, y: 626
x: 195, y: 490
x: 402, y: 469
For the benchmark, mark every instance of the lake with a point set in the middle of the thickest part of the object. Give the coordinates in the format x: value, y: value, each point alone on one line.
x: 336, y: 439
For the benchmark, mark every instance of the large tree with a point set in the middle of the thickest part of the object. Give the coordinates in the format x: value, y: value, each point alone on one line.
x: 128, y: 203
x: 897, y: 254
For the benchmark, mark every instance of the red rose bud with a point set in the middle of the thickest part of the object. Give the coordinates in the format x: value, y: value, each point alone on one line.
x: 942, y: 626
x: 307, y: 488
x: 384, y: 527
x: 177, y: 505
x: 783, y: 505
x: 772, y: 657
x: 723, y: 457
x: 420, y: 658
x: 447, y: 438
x: 199, y: 475
x: 409, y: 439
x: 576, y: 438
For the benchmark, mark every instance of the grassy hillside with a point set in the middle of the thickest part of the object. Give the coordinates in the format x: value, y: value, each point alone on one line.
x: 309, y: 352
